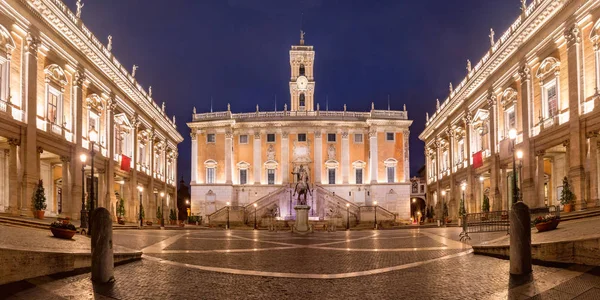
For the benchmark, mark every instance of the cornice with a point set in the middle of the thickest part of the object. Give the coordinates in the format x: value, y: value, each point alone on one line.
x: 64, y: 22
x: 537, y: 14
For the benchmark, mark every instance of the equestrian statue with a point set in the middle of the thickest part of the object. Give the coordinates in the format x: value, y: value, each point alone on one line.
x: 302, y: 186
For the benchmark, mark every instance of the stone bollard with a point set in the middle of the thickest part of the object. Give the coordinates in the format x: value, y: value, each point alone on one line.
x: 102, y: 246
x: 520, y: 239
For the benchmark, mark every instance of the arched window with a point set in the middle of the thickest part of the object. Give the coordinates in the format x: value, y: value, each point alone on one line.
x: 302, y: 70
x: 302, y: 100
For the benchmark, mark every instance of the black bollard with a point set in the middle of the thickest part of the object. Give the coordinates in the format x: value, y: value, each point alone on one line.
x: 102, y: 246
x: 520, y: 239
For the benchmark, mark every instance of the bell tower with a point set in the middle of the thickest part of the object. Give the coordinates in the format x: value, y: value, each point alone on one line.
x: 302, y: 80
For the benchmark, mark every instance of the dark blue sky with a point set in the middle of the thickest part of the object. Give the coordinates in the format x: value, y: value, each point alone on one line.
x: 237, y: 51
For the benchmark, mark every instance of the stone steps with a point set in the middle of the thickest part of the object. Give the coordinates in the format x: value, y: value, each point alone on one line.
x: 588, y: 213
x: 39, y: 224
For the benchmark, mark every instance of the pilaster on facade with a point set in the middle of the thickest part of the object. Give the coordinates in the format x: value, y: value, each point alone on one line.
x: 257, y: 158
x: 345, y: 157
x: 373, y: 161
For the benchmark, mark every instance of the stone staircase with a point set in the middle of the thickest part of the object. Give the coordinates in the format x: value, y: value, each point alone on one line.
x: 588, y: 213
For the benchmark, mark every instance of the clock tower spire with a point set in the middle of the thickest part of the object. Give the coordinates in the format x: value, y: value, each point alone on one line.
x: 302, y: 81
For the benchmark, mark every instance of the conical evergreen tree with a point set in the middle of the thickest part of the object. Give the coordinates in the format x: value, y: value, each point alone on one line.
x: 39, y: 197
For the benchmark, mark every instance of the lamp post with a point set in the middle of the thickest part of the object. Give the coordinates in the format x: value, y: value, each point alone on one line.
x: 162, y: 209
x: 443, y: 202
x: 375, y: 222
x: 83, y: 158
x: 141, y: 189
x: 227, y: 226
x: 464, y: 235
x: 512, y: 134
x: 520, y: 158
x: 92, y: 135
x: 347, y: 216
x: 255, y: 205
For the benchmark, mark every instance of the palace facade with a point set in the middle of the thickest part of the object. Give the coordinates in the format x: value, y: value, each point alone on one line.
x: 541, y: 80
x: 353, y: 158
x: 58, y: 85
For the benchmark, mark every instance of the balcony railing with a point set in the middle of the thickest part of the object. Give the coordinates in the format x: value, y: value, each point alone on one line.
x: 384, y: 114
x: 3, y: 105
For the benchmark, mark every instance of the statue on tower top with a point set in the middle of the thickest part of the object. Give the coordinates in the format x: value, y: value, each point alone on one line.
x: 302, y: 33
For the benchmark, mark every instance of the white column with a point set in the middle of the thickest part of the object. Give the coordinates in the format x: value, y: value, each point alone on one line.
x: 345, y: 157
x: 228, y: 154
x: 257, y: 158
x: 406, y: 156
x: 318, y: 163
x: 373, y: 157
x: 285, y: 158
x: 194, y: 178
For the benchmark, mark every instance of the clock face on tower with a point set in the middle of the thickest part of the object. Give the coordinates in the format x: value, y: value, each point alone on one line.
x: 302, y: 83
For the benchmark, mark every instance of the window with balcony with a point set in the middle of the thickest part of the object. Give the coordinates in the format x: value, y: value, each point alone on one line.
x: 331, y: 175
x: 243, y: 176
x: 210, y: 175
x: 270, y: 176
x: 550, y: 99
x: 461, y: 150
x: 358, y: 176
x: 6, y: 46
x: 510, y: 120
x: 52, y: 113
x: 391, y: 174
x: 55, y: 82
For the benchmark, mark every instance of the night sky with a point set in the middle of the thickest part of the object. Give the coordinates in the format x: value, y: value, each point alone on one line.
x: 237, y: 52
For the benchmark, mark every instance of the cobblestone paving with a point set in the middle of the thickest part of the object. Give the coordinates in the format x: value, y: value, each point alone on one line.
x: 392, y: 272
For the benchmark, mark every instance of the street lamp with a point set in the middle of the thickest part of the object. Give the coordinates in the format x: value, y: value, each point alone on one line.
x: 375, y: 223
x: 512, y: 134
x: 520, y: 158
x: 83, y: 158
x: 464, y: 235
x: 347, y: 216
x: 255, y: 205
x: 162, y: 209
x: 141, y: 189
x: 227, y: 227
x: 443, y: 202
x: 93, y: 136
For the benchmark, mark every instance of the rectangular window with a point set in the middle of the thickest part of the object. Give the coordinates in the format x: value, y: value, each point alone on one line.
x: 359, y: 176
x: 243, y: 176
x: 510, y: 120
x: 446, y: 160
x: 210, y: 138
x: 391, y: 174
x: 94, y: 122
x: 244, y: 139
x: 271, y: 138
x: 331, y: 173
x: 389, y: 136
x: 331, y: 137
x: 210, y: 175
x: 552, y: 101
x: 52, y: 114
x: 358, y: 138
x: 461, y: 150
x: 271, y: 176
x: 301, y: 137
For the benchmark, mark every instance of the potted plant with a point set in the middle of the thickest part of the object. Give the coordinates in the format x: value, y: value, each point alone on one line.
x: 39, y: 200
x: 172, y: 217
x: 546, y: 223
x: 485, y: 207
x: 121, y: 211
x: 142, y: 213
x: 445, y: 213
x: 63, y: 230
x: 567, y: 197
x: 158, y: 215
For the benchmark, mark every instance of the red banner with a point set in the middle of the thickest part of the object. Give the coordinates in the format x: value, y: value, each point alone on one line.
x: 125, y: 163
x: 477, y: 159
